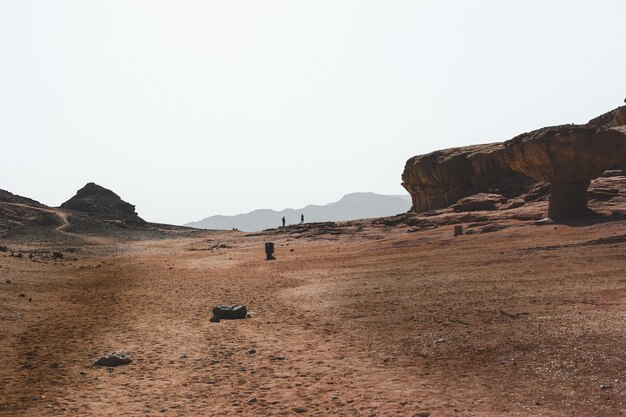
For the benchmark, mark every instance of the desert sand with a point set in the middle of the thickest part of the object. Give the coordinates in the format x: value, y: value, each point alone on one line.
x: 370, y: 320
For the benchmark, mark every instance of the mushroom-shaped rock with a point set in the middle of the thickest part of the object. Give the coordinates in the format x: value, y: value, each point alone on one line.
x: 439, y: 179
x: 568, y: 157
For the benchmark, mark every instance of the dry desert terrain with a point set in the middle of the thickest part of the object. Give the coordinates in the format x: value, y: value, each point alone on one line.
x: 365, y: 320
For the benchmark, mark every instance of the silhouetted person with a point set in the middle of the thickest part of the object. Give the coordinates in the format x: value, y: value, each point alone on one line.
x: 283, y: 221
x: 302, y: 218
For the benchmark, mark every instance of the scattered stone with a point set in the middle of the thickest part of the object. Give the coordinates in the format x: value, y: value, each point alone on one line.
x: 22, y: 295
x: 230, y: 312
x: 493, y: 228
x: 299, y: 410
x: 278, y: 358
x: 440, y: 340
x: 252, y: 400
x: 8, y: 281
x: 269, y: 251
x: 544, y: 222
x: 479, y: 202
x: 606, y: 386
x: 4, y: 249
x: 57, y: 255
x: 114, y: 359
x: 251, y: 351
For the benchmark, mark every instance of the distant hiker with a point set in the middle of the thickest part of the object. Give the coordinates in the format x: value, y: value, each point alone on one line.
x: 301, y: 218
x: 283, y: 221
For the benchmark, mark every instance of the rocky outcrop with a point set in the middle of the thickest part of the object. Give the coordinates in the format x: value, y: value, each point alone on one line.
x: 568, y: 157
x: 479, y: 202
x: 7, y: 197
x: 613, y: 118
x: 439, y: 179
x: 103, y: 204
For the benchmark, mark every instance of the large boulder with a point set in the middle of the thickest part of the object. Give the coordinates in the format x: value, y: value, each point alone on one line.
x: 479, y: 202
x: 439, y: 179
x: 568, y: 157
x: 103, y: 204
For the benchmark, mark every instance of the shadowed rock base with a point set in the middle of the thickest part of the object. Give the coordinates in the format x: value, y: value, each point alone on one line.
x: 568, y: 200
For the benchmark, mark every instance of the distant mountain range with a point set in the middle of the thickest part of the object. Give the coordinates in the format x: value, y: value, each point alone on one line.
x: 350, y: 207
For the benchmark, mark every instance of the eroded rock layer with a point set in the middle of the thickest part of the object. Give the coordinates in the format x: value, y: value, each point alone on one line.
x: 439, y: 179
x: 567, y: 157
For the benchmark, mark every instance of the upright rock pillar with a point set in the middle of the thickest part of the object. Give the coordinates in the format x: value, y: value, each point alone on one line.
x: 568, y: 200
x: 568, y: 157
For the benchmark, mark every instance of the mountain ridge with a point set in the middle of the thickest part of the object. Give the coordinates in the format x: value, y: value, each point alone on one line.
x: 358, y: 205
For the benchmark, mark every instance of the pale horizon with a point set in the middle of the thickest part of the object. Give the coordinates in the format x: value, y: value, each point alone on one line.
x: 190, y: 109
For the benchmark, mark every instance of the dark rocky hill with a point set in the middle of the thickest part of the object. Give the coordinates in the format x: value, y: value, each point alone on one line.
x: 93, y: 212
x: 103, y: 204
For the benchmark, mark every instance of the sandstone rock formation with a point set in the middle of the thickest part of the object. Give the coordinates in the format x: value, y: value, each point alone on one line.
x: 479, y: 202
x: 568, y: 157
x: 613, y: 118
x: 441, y: 178
x: 103, y: 204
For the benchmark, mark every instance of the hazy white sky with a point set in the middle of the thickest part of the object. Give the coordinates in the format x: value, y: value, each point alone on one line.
x: 194, y: 108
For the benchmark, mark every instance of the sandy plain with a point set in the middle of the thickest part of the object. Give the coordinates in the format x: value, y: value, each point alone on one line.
x: 372, y: 321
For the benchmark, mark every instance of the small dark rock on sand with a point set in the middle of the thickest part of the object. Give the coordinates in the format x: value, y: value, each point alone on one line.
x: 230, y: 312
x: 114, y: 359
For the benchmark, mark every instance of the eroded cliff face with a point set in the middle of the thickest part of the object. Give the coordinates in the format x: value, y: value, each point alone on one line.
x: 439, y: 179
x: 568, y: 157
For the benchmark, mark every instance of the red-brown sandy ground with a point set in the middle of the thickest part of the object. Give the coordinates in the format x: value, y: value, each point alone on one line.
x: 381, y: 321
